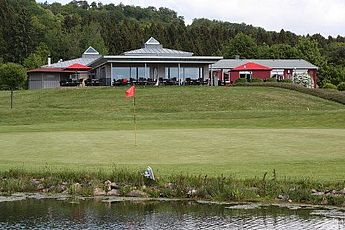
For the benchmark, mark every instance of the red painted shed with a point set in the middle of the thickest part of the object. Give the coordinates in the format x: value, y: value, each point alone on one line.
x: 252, y: 69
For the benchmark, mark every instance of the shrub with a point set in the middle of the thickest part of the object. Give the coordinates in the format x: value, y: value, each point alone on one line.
x: 303, y: 79
x: 329, y: 86
x: 341, y: 86
x: 286, y: 81
x: 256, y: 80
x: 240, y: 80
x: 271, y: 79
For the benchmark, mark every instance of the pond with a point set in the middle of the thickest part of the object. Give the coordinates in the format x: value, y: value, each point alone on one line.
x: 98, y: 214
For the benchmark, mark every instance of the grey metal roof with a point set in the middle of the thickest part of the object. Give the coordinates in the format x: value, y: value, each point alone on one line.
x: 273, y: 63
x: 90, y: 55
x: 156, y: 59
x: 157, y: 52
x: 153, y: 48
x: 65, y: 64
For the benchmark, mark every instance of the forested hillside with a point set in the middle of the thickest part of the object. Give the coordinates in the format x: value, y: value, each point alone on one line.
x: 29, y: 31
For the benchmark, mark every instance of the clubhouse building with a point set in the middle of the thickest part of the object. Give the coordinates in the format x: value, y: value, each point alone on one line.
x: 153, y: 65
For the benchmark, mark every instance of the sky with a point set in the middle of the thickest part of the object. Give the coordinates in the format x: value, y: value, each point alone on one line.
x: 326, y: 17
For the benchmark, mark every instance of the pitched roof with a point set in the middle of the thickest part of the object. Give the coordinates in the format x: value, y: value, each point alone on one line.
x: 152, y: 47
x: 273, y: 63
x: 65, y: 64
x: 90, y: 55
x: 157, y: 52
x: 251, y: 66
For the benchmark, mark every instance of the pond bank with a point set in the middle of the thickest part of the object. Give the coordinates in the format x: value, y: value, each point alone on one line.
x: 125, y: 183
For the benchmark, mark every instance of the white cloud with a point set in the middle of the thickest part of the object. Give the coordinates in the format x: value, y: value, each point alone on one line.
x: 299, y: 16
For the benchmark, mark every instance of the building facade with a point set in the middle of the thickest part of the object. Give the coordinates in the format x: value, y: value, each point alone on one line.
x: 151, y: 64
x: 154, y: 64
x: 229, y: 70
x: 53, y: 75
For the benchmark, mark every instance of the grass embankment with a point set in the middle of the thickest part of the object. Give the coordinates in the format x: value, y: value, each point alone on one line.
x: 132, y: 183
x: 241, y: 132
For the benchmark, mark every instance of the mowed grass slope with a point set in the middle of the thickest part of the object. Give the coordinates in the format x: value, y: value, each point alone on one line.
x: 168, y: 107
x: 196, y: 130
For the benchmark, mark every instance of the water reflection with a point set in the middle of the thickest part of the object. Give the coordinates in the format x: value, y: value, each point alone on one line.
x: 92, y: 214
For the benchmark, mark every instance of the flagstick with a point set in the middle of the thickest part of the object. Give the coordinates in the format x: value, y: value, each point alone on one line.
x: 135, y: 123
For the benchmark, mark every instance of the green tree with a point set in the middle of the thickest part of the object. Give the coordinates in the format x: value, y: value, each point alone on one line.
x: 91, y: 36
x: 242, y: 45
x: 263, y: 51
x: 38, y: 57
x: 284, y: 51
x: 336, y: 53
x: 310, y: 51
x: 12, y: 77
x: 331, y: 74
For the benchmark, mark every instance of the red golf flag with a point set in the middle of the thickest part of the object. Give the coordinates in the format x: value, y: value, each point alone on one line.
x: 130, y: 92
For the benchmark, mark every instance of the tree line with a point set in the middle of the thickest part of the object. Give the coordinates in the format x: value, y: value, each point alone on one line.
x: 30, y: 31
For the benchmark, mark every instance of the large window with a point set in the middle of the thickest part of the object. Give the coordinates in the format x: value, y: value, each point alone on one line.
x: 134, y: 73
x: 141, y: 72
x: 121, y: 73
x: 191, y: 73
x: 172, y: 72
x: 130, y: 72
x: 185, y: 72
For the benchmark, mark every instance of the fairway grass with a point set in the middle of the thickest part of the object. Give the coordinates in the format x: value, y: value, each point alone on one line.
x: 241, y: 132
x: 242, y: 153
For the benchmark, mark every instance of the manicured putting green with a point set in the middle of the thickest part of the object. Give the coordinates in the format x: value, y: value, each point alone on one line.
x: 240, y: 152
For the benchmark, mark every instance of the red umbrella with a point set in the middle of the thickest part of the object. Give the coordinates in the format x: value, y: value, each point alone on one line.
x: 77, y: 67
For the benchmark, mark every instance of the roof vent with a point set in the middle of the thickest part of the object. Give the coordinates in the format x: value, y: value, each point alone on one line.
x: 153, y: 43
x: 91, y: 53
x: 91, y: 50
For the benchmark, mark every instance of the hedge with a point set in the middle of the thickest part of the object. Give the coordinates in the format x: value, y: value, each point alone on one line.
x: 322, y: 93
x: 241, y: 80
x: 286, y: 81
x: 271, y: 79
x: 329, y: 86
x: 256, y: 80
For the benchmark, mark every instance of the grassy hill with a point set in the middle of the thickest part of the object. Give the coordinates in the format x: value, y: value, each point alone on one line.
x: 169, y: 107
x: 196, y: 130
